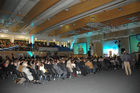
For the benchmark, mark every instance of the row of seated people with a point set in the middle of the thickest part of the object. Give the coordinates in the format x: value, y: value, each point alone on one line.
x: 7, y: 43
x: 25, y: 45
x: 36, y: 69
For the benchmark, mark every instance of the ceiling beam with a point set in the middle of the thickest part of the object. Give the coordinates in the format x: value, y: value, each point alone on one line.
x: 39, y: 8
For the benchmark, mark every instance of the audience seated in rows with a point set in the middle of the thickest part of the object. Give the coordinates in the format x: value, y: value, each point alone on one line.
x: 38, y: 69
x: 26, y: 46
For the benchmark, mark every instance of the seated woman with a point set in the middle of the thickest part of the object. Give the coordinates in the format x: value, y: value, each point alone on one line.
x: 44, y: 71
x: 23, y: 67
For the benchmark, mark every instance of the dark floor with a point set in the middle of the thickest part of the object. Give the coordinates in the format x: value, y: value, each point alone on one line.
x: 102, y: 82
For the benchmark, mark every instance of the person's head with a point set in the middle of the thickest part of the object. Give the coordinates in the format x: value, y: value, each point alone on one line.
x: 25, y: 64
x: 7, y: 62
x: 12, y: 63
x: 124, y: 52
x: 15, y: 64
x: 46, y: 62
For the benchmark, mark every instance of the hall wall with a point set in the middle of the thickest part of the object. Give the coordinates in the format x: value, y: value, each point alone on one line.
x: 123, y: 36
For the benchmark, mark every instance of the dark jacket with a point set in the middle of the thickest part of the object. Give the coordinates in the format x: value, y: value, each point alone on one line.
x: 126, y: 57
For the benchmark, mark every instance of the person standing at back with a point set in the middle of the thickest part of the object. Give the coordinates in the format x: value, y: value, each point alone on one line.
x: 126, y: 61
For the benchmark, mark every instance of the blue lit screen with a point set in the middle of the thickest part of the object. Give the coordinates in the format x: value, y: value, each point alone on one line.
x: 134, y: 41
x: 80, y: 48
x: 110, y: 48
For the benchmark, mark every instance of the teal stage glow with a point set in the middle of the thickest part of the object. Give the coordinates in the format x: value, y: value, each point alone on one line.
x: 134, y: 40
x: 110, y: 48
x: 30, y: 53
x: 72, y: 44
x: 32, y: 39
x: 80, y: 48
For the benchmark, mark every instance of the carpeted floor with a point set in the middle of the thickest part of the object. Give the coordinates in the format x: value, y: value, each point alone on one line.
x: 102, y: 82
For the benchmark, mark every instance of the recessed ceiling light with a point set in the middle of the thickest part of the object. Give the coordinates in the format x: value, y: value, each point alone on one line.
x: 67, y: 9
x: 61, y: 25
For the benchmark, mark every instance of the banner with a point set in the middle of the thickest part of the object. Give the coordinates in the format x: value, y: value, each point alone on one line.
x: 9, y: 48
x: 48, y: 49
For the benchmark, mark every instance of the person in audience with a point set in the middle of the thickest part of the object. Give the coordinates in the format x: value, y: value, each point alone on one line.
x: 70, y: 68
x: 113, y: 63
x: 81, y: 65
x: 57, y: 68
x: 62, y: 65
x: 101, y: 64
x: 89, y: 66
x: 34, y: 70
x: 43, y: 71
x: 51, y: 71
x: 94, y: 62
x: 6, y: 69
x: 74, y: 74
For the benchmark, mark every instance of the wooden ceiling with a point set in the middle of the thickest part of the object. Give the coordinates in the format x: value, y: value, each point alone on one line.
x: 112, y: 17
x: 112, y: 23
x: 73, y: 11
x: 39, y: 8
x: 123, y: 20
